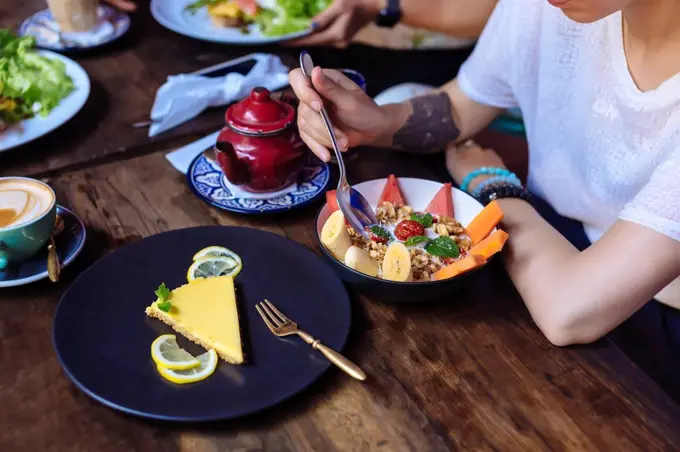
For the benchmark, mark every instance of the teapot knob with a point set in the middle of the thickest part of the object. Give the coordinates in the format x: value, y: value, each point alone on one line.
x: 260, y: 94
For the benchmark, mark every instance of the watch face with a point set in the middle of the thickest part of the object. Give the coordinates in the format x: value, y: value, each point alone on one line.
x: 388, y: 17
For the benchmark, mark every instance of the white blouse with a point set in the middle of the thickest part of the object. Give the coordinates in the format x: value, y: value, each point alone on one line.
x: 599, y: 148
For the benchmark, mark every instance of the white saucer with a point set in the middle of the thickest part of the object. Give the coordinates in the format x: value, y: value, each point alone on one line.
x: 111, y: 25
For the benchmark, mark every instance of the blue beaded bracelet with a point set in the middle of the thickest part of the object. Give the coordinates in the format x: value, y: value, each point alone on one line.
x: 484, y: 171
x: 512, y: 179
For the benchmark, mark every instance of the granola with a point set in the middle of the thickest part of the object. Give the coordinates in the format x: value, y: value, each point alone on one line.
x: 423, y: 263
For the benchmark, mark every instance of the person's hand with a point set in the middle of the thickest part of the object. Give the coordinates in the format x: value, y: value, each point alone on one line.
x: 337, y: 25
x: 123, y: 5
x: 462, y: 159
x: 356, y: 117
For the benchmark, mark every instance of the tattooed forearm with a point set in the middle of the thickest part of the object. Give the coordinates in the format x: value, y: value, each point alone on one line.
x: 430, y: 127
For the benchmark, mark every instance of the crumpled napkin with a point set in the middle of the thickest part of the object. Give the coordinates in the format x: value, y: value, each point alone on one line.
x: 185, y: 96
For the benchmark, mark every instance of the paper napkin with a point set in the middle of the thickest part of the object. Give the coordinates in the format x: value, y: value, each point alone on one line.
x: 185, y: 96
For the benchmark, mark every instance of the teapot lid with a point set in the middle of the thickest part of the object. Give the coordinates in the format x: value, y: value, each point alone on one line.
x: 259, y: 114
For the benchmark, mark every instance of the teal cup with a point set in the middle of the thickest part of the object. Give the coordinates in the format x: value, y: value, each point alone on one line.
x: 20, y: 240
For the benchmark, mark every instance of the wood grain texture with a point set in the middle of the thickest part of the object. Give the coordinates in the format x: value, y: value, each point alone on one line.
x: 469, y: 373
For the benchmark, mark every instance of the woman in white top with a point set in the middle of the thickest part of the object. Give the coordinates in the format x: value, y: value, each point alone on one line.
x: 597, y: 82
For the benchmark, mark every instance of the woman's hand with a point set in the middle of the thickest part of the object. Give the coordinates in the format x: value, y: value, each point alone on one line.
x: 124, y: 5
x: 357, y: 119
x: 337, y: 25
x: 462, y: 159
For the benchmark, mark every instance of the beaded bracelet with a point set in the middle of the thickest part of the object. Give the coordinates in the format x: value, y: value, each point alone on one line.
x: 485, y: 171
x: 482, y: 185
x: 503, y: 189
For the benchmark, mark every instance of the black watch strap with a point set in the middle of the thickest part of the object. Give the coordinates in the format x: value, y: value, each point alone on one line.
x: 390, y: 15
x: 499, y: 190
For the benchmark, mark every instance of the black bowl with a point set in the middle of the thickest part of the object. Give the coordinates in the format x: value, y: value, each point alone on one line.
x: 390, y: 291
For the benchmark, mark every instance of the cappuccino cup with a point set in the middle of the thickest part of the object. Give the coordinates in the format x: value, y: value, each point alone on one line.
x: 28, y: 210
x: 74, y: 15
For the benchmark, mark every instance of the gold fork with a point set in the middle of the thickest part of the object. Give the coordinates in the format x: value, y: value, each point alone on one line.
x: 281, y: 326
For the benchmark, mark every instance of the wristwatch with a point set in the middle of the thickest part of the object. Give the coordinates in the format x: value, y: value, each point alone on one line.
x: 390, y: 15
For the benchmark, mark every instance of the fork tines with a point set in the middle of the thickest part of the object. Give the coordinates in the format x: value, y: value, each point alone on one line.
x: 273, y: 318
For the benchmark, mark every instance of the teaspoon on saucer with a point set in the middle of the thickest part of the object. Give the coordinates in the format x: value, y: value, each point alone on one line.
x: 53, y: 265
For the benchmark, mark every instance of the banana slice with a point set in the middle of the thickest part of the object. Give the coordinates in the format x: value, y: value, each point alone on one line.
x: 359, y: 260
x: 396, y: 265
x: 335, y: 237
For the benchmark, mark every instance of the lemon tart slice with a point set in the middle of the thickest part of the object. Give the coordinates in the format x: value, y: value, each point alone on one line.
x: 205, y: 312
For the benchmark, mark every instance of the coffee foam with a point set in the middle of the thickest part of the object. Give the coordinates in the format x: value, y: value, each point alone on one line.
x: 23, y: 200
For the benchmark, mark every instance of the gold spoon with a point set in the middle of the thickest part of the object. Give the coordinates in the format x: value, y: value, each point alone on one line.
x: 53, y: 265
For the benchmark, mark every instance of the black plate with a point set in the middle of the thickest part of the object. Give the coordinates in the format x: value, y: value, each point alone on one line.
x: 102, y: 336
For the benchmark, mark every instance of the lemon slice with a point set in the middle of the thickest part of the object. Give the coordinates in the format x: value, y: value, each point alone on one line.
x: 207, y: 365
x: 217, y: 251
x: 209, y: 266
x: 166, y: 353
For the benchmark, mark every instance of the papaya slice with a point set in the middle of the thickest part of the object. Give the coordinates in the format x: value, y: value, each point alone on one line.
x: 332, y: 200
x: 442, y: 203
x: 466, y: 264
x: 491, y: 245
x: 482, y: 225
x: 392, y: 193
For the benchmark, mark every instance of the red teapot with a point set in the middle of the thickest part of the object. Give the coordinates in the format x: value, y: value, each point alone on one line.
x: 260, y: 149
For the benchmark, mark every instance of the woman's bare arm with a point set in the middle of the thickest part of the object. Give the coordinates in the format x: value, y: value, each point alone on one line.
x: 578, y: 297
x: 460, y: 18
x: 430, y: 122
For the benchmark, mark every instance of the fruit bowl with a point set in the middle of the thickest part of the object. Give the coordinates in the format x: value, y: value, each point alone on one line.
x: 418, y: 193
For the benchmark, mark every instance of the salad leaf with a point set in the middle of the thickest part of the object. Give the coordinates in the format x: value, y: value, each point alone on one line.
x: 416, y: 239
x: 34, y: 83
x: 443, y: 247
x: 425, y: 219
x: 195, y: 6
x: 289, y: 16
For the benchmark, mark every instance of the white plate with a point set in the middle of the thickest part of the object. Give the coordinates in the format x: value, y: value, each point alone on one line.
x: 173, y: 15
x: 31, y: 129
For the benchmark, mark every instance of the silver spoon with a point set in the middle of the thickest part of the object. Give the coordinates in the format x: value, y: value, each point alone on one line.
x: 353, y: 205
x: 53, y: 264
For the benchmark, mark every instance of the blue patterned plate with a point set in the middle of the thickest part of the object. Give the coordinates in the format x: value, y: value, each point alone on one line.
x: 207, y: 181
x: 69, y: 244
x: 112, y: 25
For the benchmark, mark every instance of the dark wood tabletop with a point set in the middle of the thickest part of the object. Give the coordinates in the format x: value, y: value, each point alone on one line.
x: 471, y: 372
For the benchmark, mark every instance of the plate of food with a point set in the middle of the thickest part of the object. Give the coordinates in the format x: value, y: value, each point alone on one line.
x: 246, y: 22
x: 168, y: 328
x: 39, y: 90
x: 431, y: 237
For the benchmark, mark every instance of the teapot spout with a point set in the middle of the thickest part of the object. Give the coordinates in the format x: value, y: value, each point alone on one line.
x: 234, y: 168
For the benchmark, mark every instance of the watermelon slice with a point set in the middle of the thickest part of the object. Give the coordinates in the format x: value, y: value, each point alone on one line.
x: 391, y: 193
x: 442, y: 203
x: 332, y: 200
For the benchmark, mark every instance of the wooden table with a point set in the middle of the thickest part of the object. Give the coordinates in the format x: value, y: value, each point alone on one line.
x: 469, y: 373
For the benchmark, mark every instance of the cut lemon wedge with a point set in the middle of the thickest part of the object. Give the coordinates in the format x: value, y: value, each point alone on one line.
x: 208, y: 364
x: 216, y: 251
x: 166, y: 353
x: 206, y: 267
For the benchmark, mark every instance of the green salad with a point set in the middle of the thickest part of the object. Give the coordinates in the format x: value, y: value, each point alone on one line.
x: 273, y: 17
x: 289, y: 16
x: 30, y: 84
